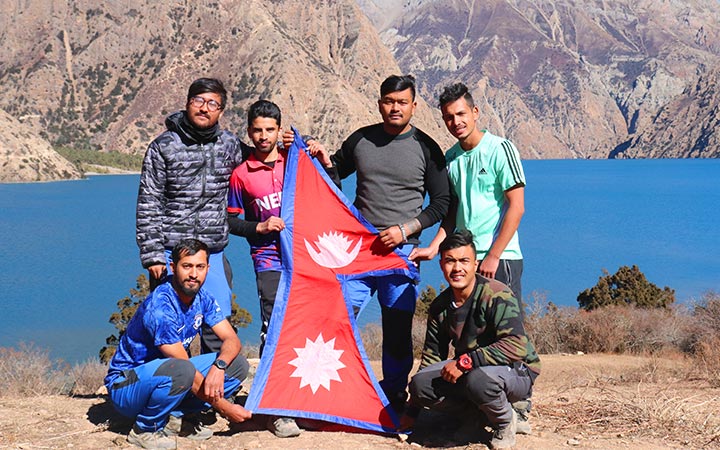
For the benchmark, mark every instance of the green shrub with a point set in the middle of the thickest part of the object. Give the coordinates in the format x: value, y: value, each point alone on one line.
x: 627, y: 286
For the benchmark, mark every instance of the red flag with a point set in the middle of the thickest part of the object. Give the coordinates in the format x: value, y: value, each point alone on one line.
x: 313, y: 364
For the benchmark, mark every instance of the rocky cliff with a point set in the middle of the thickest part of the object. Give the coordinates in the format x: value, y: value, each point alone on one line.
x: 25, y: 156
x: 104, y: 75
x: 563, y: 79
x: 688, y: 126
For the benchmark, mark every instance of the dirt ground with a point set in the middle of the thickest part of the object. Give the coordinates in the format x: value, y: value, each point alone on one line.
x: 580, y: 401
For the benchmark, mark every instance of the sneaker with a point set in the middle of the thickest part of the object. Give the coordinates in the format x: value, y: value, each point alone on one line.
x: 522, y: 408
x: 188, y: 426
x: 150, y: 439
x: 505, y: 437
x: 283, y: 427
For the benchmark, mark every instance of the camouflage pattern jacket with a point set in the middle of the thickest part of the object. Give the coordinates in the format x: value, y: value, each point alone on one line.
x: 183, y: 190
x: 493, y: 333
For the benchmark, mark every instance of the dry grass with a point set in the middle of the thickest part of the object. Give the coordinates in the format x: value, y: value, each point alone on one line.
x: 87, y: 377
x: 28, y: 371
x: 639, y: 397
x: 707, y: 352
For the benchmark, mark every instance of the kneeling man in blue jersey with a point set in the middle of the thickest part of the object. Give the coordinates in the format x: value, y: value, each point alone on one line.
x: 153, y: 379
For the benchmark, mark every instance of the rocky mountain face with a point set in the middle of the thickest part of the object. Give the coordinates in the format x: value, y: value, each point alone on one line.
x: 104, y: 75
x: 562, y: 79
x: 25, y: 156
x: 688, y: 126
x: 567, y: 79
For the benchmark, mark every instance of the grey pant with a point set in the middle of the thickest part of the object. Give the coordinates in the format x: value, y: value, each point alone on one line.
x: 490, y: 388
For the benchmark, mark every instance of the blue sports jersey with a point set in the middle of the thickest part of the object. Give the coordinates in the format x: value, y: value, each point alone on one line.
x: 162, y: 319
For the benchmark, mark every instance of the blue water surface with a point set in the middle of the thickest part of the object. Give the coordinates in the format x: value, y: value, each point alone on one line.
x: 69, y: 251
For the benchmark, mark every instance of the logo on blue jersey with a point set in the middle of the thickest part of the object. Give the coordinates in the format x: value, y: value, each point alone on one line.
x: 198, y: 321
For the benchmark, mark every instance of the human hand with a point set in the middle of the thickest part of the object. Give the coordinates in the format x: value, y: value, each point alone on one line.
x: 318, y: 150
x: 422, y: 254
x: 451, y: 372
x: 272, y: 224
x: 489, y: 265
x: 391, y: 237
x: 157, y: 271
x: 214, y: 384
x: 287, y: 138
x: 235, y: 413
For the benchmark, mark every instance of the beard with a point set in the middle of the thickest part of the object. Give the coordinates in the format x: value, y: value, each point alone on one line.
x: 190, y: 291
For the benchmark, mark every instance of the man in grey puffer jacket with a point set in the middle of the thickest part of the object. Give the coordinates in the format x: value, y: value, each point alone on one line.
x: 183, y: 191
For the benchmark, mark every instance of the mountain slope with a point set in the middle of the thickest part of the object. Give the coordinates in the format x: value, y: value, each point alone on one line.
x: 25, y: 156
x: 561, y: 78
x: 104, y: 76
x: 689, y: 126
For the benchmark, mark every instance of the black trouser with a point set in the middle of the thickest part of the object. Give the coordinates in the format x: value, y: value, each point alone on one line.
x: 267, y: 286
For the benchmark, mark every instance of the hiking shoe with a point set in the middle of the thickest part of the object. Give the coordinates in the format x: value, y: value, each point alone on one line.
x: 505, y: 437
x: 188, y: 426
x: 283, y: 427
x: 522, y: 408
x: 150, y: 439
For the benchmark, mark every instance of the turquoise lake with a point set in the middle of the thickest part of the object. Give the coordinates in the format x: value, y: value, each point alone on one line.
x: 69, y: 253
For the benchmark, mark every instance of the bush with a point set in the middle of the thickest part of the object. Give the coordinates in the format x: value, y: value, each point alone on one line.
x: 628, y: 287
x: 120, y: 319
x: 87, y: 377
x: 615, y: 329
x: 28, y: 372
x: 704, y: 341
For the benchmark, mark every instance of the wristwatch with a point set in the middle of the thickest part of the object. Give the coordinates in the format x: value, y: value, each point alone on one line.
x: 465, y: 362
x: 220, y: 364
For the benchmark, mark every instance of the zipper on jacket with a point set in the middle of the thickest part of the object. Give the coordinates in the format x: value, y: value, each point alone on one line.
x: 202, y: 191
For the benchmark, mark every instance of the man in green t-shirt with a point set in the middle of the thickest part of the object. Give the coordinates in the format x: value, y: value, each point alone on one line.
x: 488, y: 191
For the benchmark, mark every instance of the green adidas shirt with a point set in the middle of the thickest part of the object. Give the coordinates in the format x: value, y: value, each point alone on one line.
x: 479, y: 179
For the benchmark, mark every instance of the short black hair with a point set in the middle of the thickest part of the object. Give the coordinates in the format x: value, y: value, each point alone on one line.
x: 188, y: 247
x: 455, y: 92
x: 264, y: 108
x: 458, y: 239
x: 396, y: 83
x: 204, y: 85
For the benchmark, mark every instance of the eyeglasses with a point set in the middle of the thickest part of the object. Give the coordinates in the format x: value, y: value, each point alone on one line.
x: 212, y: 105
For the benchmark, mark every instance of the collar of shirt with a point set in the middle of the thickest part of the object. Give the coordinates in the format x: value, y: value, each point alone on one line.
x: 255, y: 164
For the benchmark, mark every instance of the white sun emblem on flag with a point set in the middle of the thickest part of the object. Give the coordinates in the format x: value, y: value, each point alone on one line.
x: 334, y: 249
x: 317, y: 363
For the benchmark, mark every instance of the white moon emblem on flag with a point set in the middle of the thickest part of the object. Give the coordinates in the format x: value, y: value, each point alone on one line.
x: 317, y: 363
x: 333, y: 248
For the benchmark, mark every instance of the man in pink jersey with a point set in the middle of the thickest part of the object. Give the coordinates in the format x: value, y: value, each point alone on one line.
x: 256, y: 193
